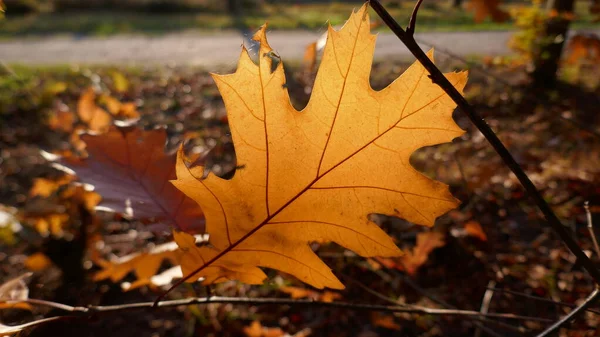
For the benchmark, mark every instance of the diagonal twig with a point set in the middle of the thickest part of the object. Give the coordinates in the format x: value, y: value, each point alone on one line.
x: 477, y: 321
x: 542, y: 299
x: 590, y: 226
x: 438, y: 78
x: 96, y: 309
x: 565, y: 320
x: 485, y: 303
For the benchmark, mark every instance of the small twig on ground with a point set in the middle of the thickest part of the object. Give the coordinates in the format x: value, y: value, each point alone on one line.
x: 438, y: 78
x: 568, y: 318
x: 445, y: 304
x: 92, y: 309
x: 590, y: 226
x: 485, y: 303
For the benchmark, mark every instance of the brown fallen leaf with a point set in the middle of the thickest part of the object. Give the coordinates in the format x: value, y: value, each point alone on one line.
x: 426, y: 243
x: 473, y: 228
x: 315, y: 175
x: 255, y: 329
x: 130, y: 170
x: 384, y: 321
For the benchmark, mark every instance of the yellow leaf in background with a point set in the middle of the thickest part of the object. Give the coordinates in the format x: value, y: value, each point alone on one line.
x: 43, y: 187
x: 316, y: 174
x: 120, y: 82
x: 118, y: 109
x: 255, y: 329
x: 37, y: 262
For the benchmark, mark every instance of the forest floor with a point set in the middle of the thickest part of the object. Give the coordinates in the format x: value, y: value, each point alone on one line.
x: 554, y: 136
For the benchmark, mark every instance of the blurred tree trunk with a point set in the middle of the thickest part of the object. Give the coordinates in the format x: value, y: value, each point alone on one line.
x: 233, y: 6
x: 456, y: 3
x: 547, y: 57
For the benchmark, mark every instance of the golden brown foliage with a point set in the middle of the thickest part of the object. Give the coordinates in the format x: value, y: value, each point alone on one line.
x: 315, y: 175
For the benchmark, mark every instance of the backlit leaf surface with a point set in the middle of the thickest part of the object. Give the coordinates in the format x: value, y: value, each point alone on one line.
x: 316, y: 174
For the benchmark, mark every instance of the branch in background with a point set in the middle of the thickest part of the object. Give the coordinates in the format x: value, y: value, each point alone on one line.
x: 565, y: 320
x: 477, y: 321
x: 542, y: 299
x: 92, y: 309
x: 590, y: 226
x: 485, y: 303
x: 438, y: 78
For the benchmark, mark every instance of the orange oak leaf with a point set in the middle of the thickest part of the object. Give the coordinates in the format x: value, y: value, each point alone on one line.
x: 130, y: 170
x: 316, y: 174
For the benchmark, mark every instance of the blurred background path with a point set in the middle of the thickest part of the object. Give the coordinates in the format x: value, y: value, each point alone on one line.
x: 223, y: 47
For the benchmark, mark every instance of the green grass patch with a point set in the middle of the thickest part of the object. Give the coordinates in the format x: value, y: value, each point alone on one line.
x: 439, y: 16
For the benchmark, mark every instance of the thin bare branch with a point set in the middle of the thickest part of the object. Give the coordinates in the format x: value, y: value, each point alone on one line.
x: 479, y: 322
x: 568, y: 318
x: 413, y: 18
x: 542, y: 299
x: 438, y: 78
x: 590, y: 226
x: 485, y: 302
x: 279, y: 301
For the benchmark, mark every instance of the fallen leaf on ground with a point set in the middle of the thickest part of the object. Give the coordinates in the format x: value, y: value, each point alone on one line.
x: 473, y: 228
x: 426, y: 243
x: 95, y: 117
x: 43, y: 187
x: 384, y: 321
x: 316, y: 175
x: 255, y: 329
x: 37, y: 262
x: 118, y: 109
x: 297, y: 292
x: 145, y: 265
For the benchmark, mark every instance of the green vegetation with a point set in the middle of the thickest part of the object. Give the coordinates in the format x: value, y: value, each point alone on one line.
x: 435, y: 17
